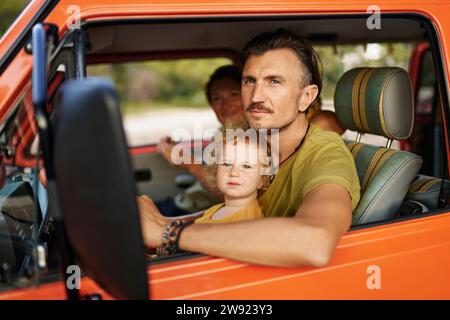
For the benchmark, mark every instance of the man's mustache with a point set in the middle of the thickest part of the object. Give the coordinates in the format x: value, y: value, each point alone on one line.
x: 258, y: 106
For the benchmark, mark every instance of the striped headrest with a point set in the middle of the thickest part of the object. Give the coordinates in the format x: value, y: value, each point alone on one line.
x: 377, y: 101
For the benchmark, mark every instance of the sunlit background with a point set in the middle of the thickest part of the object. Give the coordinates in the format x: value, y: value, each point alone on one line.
x: 174, y: 89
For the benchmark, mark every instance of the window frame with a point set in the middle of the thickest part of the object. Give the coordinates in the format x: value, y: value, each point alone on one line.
x: 435, y: 46
x: 428, y: 23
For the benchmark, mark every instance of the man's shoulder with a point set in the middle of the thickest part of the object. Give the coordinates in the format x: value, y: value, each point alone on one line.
x: 321, y: 141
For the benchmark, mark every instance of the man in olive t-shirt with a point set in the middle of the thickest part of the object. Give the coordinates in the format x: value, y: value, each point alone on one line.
x: 309, y: 205
x: 323, y: 158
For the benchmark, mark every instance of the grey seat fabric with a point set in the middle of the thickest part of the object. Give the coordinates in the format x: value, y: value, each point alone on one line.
x: 425, y: 189
x: 378, y: 101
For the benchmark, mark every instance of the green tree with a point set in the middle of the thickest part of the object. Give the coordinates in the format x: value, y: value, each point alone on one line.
x: 9, y: 11
x: 165, y: 83
x: 338, y: 59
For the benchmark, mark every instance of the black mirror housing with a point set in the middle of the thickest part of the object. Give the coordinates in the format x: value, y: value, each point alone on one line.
x: 96, y: 189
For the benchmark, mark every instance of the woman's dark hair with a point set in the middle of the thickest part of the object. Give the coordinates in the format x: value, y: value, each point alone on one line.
x: 225, y: 72
x: 310, y: 64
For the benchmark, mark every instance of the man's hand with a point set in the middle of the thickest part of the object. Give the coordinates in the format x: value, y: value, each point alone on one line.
x: 152, y: 222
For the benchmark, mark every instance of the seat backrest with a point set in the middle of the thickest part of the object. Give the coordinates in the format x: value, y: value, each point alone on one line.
x: 378, y: 101
x: 426, y: 189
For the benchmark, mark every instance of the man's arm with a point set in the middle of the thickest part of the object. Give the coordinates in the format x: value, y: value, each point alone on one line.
x: 308, y: 239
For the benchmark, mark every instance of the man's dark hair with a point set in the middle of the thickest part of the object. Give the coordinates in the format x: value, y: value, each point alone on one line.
x: 225, y: 72
x: 310, y: 64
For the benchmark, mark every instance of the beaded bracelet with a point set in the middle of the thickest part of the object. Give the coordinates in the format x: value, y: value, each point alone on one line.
x: 171, y: 236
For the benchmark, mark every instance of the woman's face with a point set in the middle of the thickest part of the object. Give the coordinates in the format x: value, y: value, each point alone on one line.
x: 226, y: 102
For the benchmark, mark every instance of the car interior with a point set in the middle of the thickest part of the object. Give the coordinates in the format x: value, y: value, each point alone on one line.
x: 392, y: 102
x: 388, y: 177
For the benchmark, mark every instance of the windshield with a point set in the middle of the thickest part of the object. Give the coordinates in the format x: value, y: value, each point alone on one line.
x: 23, y: 197
x: 20, y: 211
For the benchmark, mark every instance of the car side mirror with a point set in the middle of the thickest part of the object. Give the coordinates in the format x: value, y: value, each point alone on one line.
x: 96, y: 189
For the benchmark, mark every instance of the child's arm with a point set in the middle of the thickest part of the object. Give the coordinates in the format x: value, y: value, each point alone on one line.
x: 188, y: 217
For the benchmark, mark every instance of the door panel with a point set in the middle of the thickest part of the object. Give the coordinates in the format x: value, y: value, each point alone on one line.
x: 162, y: 182
x: 408, y: 259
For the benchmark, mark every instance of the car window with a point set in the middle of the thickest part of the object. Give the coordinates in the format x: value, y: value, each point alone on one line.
x: 158, y: 97
x: 142, y: 87
x: 426, y: 91
x: 340, y: 58
x: 426, y: 139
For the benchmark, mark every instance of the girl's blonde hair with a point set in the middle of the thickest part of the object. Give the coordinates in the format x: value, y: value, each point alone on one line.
x: 211, y: 170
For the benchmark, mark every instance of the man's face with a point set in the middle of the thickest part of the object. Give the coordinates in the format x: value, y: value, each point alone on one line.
x: 271, y: 89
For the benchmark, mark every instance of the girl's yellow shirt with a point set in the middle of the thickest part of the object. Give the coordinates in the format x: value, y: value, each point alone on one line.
x: 252, y: 211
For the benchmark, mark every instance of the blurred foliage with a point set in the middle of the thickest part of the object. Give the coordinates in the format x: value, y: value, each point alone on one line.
x: 9, y: 11
x: 180, y: 83
x: 338, y: 59
x: 174, y: 83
